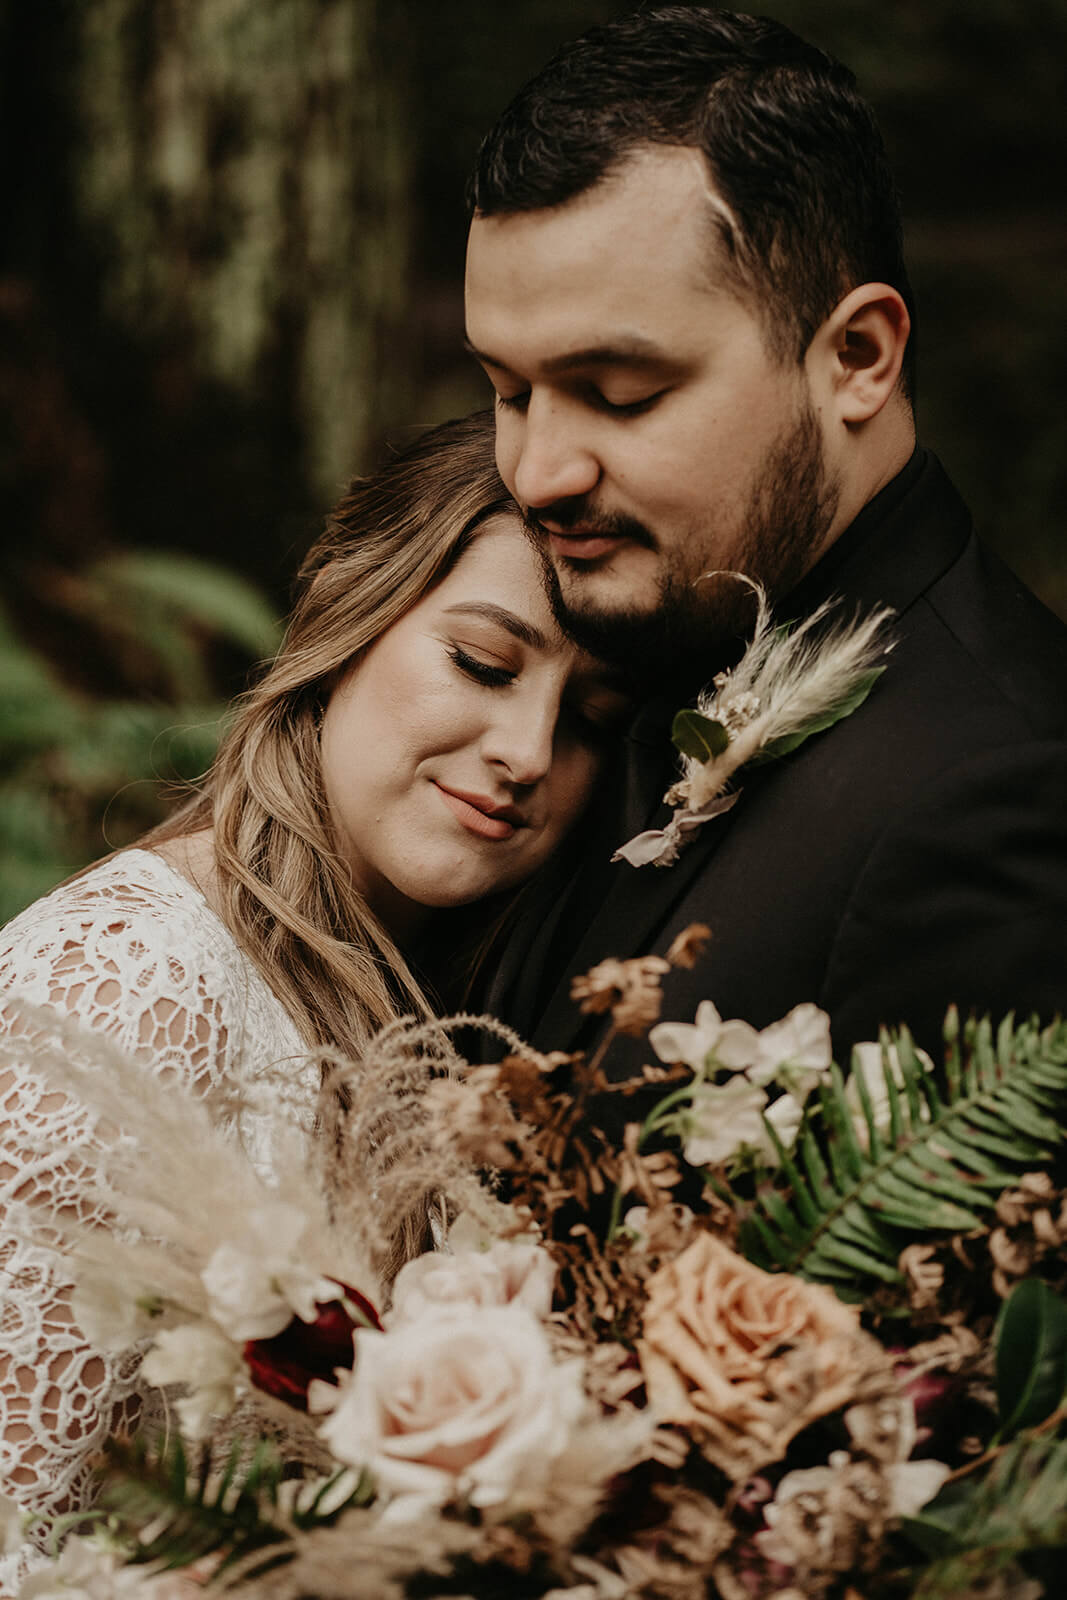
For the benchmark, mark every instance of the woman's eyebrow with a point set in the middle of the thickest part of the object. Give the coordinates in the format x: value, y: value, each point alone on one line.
x: 518, y: 627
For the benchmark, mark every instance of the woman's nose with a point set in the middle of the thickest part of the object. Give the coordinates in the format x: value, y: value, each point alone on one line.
x: 548, y: 456
x: 521, y: 738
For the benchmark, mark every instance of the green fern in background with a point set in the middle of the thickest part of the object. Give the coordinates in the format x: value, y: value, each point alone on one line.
x: 80, y: 775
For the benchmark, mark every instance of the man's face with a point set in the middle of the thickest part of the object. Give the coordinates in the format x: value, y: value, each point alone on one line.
x: 641, y: 419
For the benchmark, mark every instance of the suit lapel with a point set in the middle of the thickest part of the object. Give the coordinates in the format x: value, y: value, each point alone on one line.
x: 898, y: 546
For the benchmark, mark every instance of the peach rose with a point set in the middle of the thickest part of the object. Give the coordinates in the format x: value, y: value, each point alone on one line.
x: 746, y: 1357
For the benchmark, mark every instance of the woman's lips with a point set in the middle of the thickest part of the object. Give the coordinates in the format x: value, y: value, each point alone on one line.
x: 481, y: 815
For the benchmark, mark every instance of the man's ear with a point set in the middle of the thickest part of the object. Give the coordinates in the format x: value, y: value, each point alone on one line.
x: 860, y: 348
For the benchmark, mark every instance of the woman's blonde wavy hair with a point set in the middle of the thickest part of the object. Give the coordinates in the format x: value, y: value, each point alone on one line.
x: 283, y: 891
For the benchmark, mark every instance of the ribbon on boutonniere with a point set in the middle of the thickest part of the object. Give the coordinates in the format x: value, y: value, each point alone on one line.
x: 794, y: 680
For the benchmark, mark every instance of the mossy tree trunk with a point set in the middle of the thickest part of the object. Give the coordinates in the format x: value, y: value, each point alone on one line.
x: 216, y: 230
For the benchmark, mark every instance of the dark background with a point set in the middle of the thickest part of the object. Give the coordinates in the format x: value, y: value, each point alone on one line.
x: 230, y: 273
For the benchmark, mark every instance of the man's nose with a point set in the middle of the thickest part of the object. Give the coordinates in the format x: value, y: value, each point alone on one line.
x: 552, y: 460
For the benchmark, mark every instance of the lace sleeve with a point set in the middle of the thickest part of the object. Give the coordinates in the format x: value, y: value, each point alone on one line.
x: 118, y: 959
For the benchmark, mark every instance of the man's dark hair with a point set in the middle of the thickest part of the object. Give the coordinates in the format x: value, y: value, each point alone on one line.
x: 791, y: 147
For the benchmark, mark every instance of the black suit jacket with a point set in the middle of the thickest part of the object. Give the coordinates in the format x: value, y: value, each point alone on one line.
x: 912, y: 855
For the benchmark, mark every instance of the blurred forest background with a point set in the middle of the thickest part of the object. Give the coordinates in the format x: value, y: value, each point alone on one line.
x: 230, y: 272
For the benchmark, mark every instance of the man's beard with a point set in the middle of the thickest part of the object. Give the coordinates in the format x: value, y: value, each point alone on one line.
x: 699, y: 617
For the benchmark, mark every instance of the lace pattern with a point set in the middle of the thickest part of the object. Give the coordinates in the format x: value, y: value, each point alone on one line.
x: 133, y: 950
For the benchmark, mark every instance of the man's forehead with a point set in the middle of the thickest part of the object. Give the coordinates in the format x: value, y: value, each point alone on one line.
x: 621, y: 275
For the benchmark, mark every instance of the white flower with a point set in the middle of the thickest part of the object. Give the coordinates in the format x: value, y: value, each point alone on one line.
x: 509, y: 1271
x: 200, y: 1357
x: 733, y: 1044
x: 913, y: 1484
x: 87, y: 1570
x: 635, y: 1222
x: 785, y: 1114
x: 470, y: 1405
x: 795, y: 1051
x: 910, y: 1485
x: 867, y: 1063
x: 721, y: 1118
x: 257, y: 1282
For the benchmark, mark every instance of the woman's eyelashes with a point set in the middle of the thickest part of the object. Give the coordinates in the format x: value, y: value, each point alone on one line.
x: 483, y: 672
x: 591, y: 717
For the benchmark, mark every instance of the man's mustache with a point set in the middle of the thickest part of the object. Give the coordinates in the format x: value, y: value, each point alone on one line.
x: 563, y: 515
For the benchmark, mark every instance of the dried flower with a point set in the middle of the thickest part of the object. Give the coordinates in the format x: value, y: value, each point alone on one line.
x: 923, y: 1274
x: 1035, y: 1191
x: 630, y: 990
x: 688, y: 946
x: 746, y: 1357
x: 883, y: 1428
x: 822, y: 1518
x: 209, y: 1365
x: 472, y: 1117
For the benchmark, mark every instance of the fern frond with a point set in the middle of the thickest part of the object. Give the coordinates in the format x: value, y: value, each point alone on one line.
x: 976, y: 1531
x: 842, y: 1206
x: 169, y: 1515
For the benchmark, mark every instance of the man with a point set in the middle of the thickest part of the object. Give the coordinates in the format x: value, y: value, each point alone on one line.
x: 685, y: 283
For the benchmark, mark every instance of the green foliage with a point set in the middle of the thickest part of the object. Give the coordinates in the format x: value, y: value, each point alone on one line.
x: 1031, y: 1354
x: 698, y: 736
x: 232, y: 1514
x: 68, y: 758
x: 978, y: 1528
x: 842, y: 1206
x: 1013, y: 1503
x: 175, y: 601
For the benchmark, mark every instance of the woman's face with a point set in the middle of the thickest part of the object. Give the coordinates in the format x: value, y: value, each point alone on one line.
x: 459, y: 749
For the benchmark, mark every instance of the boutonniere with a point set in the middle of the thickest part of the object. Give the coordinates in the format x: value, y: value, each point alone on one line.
x: 792, y: 681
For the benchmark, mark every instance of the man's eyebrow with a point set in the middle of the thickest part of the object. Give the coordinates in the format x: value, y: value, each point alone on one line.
x: 632, y: 350
x: 518, y: 627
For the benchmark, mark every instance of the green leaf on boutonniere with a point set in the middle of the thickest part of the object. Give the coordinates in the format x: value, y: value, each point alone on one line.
x: 825, y: 719
x: 699, y: 737
x: 1031, y: 1352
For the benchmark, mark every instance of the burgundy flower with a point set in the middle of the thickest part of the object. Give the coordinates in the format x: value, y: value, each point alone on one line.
x: 285, y: 1364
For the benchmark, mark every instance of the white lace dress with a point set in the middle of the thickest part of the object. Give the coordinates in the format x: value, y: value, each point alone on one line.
x: 133, y: 950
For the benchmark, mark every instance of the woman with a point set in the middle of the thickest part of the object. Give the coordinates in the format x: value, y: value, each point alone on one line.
x: 424, y: 739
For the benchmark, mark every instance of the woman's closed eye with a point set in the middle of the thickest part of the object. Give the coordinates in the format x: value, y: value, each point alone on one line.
x: 599, y: 717
x: 487, y: 673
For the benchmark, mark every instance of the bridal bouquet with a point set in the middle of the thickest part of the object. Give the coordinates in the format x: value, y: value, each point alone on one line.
x: 749, y: 1326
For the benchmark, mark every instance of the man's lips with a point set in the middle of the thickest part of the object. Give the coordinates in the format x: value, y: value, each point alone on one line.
x: 482, y: 815
x: 578, y: 545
